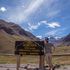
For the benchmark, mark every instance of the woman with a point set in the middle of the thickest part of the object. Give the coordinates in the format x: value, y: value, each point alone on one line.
x: 48, y: 52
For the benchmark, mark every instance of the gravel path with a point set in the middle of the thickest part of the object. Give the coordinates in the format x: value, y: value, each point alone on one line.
x: 22, y: 66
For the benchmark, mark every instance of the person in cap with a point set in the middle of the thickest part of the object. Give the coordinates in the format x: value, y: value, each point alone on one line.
x: 48, y: 52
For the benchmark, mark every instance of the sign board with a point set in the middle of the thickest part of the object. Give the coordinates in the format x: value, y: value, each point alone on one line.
x: 29, y: 47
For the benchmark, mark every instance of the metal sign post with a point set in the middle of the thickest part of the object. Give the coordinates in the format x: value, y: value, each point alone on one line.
x: 30, y: 48
x: 18, y: 62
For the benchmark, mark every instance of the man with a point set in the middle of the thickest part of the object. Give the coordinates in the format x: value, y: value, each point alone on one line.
x: 48, y: 52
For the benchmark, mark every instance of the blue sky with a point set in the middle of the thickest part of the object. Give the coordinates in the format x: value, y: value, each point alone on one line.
x: 40, y: 17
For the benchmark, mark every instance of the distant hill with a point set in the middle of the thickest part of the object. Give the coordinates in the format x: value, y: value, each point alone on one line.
x: 64, y: 41
x: 11, y: 32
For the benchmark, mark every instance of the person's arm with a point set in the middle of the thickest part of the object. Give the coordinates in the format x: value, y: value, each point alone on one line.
x: 44, y: 42
x: 53, y: 47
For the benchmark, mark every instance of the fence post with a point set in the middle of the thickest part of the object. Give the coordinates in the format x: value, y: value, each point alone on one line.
x: 18, y: 62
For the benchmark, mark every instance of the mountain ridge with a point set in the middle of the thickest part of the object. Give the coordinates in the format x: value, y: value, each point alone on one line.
x: 11, y: 32
x: 64, y: 41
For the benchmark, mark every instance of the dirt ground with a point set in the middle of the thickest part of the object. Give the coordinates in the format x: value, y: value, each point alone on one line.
x: 23, y: 67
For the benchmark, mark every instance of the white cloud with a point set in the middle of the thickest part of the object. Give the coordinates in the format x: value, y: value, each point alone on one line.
x: 55, y: 32
x: 32, y: 26
x: 3, y: 9
x: 34, y: 5
x: 53, y: 8
x: 50, y: 24
x: 23, y: 6
x: 57, y: 37
x: 43, y: 22
x: 53, y: 24
x: 53, y: 13
x: 51, y: 33
x: 23, y: 14
x: 23, y: 11
x: 39, y: 37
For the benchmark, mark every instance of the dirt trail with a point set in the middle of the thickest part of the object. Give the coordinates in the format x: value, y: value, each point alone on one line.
x: 22, y: 67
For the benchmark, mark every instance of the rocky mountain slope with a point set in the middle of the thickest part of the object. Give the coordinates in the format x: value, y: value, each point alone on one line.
x: 64, y: 41
x: 9, y: 33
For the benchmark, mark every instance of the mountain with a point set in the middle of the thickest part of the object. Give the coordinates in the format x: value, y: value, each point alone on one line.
x: 64, y: 41
x: 67, y: 38
x: 11, y: 32
x: 54, y: 40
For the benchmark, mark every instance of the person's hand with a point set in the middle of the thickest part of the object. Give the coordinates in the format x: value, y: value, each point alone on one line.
x: 54, y: 48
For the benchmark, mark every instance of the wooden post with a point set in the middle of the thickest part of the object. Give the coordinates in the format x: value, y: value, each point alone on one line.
x: 18, y: 62
x: 41, y: 62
